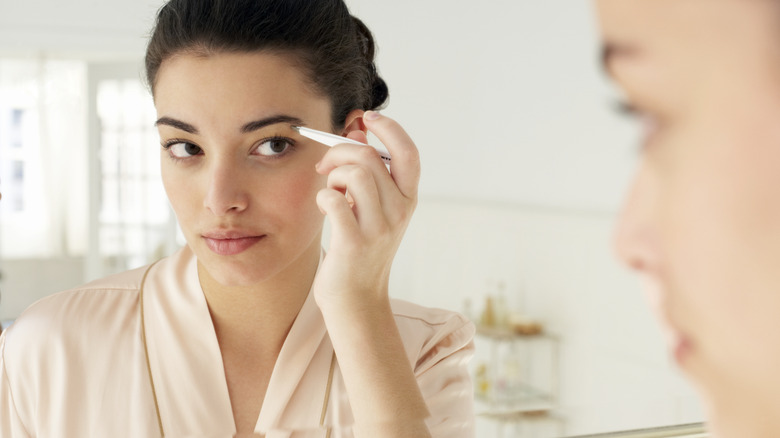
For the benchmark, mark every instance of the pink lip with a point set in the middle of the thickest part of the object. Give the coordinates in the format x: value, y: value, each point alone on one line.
x: 682, y: 349
x: 230, y: 242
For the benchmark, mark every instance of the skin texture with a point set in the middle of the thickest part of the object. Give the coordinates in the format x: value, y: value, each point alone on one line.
x: 222, y: 179
x: 701, y: 222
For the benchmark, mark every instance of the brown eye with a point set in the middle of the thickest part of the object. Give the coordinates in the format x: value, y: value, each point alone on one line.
x: 650, y: 124
x: 184, y: 150
x: 274, y: 147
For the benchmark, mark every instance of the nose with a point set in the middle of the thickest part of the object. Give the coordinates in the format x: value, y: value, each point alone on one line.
x: 227, y: 191
x: 635, y: 238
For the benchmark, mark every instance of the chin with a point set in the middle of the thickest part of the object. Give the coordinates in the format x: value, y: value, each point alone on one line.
x: 733, y: 425
x: 733, y: 411
x: 233, y: 272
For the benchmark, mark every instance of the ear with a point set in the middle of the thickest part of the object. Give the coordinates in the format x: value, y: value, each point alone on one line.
x: 354, y: 122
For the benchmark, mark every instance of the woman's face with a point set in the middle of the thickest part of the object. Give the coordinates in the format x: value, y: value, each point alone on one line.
x: 702, y: 219
x: 243, y: 185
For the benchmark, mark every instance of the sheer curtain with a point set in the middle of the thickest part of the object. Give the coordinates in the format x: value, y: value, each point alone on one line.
x: 79, y: 174
x: 135, y: 224
x: 43, y: 151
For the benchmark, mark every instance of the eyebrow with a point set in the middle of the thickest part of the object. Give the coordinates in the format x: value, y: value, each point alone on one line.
x: 178, y: 124
x: 247, y: 128
x: 268, y: 121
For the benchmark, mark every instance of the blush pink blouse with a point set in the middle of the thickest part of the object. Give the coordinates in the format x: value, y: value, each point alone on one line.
x: 75, y: 365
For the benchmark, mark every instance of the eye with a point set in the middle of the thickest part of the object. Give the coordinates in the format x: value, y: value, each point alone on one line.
x: 650, y: 125
x: 274, y: 147
x: 182, y: 149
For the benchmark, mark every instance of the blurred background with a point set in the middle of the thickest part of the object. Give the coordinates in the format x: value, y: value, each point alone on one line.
x: 524, y: 165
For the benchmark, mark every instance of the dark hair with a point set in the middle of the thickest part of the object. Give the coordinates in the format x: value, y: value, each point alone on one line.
x: 335, y: 49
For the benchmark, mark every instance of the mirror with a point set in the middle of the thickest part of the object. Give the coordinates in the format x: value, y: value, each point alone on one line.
x: 524, y: 165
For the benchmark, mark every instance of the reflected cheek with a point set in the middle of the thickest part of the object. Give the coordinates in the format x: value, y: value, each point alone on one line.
x: 636, y: 237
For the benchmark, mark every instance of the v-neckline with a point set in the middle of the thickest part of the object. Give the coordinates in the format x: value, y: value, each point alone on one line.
x: 186, y: 363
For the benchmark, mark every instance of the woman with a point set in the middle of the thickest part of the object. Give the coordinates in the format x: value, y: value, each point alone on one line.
x: 251, y: 329
x: 702, y: 221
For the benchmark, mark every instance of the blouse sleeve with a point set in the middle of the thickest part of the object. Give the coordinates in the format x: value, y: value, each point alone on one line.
x: 10, y: 422
x: 445, y: 382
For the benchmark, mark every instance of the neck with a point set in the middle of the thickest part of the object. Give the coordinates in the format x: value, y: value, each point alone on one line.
x: 255, y: 320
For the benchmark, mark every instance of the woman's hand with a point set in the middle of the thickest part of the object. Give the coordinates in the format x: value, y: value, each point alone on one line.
x: 368, y: 223
x: 369, y: 209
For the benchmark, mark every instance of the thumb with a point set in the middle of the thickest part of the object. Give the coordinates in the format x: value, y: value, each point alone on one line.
x: 358, y: 135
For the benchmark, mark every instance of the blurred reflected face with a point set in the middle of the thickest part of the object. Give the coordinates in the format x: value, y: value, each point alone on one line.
x: 702, y: 220
x: 241, y: 181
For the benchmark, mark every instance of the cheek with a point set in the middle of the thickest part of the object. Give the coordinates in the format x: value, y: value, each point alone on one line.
x: 176, y: 191
x: 185, y: 196
x: 294, y: 193
x: 721, y: 232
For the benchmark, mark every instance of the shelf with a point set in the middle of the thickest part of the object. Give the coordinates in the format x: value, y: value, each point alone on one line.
x: 523, y: 399
x: 506, y: 333
x: 515, y: 416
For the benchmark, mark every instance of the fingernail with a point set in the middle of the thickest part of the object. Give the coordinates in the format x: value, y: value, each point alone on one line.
x: 371, y: 115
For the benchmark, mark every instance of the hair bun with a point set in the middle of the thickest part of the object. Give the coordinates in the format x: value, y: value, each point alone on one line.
x: 378, y: 91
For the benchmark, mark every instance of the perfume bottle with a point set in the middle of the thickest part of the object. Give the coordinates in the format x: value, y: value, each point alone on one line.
x: 489, y: 313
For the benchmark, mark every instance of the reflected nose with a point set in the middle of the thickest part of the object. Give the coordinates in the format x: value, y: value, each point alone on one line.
x: 635, y: 239
x: 226, y: 192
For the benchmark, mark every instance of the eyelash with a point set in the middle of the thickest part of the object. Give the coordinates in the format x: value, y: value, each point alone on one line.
x: 291, y: 145
x: 650, y: 124
x: 169, y: 143
x: 627, y: 109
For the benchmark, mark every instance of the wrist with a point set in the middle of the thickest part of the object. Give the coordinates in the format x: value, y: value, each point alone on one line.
x: 354, y: 302
x: 356, y: 315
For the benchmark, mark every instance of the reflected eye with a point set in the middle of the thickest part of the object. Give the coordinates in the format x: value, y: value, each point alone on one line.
x: 183, y: 149
x: 650, y: 124
x: 274, y: 147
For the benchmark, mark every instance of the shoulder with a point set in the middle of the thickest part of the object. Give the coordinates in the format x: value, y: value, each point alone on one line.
x: 431, y: 335
x: 75, y: 319
x: 102, y: 294
x: 99, y: 312
x: 107, y: 298
x: 431, y: 319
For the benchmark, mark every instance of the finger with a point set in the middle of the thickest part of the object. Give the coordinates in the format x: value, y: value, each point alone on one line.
x: 359, y: 183
x: 358, y: 135
x: 364, y: 156
x: 405, y: 166
x: 345, y: 154
x: 334, y: 205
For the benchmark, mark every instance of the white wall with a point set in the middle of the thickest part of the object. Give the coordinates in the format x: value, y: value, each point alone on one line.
x: 104, y: 28
x: 28, y: 280
x: 524, y: 165
x: 504, y: 98
x: 614, y: 372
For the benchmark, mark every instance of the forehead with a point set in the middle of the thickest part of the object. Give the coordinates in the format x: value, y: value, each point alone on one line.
x: 228, y: 70
x: 234, y: 86
x: 716, y: 41
x: 701, y: 25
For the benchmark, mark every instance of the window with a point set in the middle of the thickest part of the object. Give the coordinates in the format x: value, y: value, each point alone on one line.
x: 135, y: 223
x: 42, y: 148
x: 79, y: 166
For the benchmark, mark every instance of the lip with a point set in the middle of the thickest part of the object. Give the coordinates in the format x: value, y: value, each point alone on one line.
x: 679, y: 343
x: 230, y: 242
x: 682, y: 350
